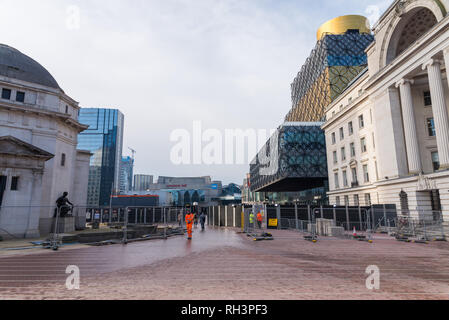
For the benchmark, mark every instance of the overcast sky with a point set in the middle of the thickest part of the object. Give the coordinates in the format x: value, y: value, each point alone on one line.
x: 167, y: 63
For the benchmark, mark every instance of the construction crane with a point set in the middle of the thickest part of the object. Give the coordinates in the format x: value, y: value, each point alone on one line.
x: 133, y: 152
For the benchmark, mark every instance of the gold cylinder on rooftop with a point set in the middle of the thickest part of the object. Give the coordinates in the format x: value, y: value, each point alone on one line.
x: 342, y: 24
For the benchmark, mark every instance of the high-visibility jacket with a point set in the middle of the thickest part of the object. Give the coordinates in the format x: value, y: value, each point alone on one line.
x: 251, y: 218
x: 259, y: 217
x: 190, y: 218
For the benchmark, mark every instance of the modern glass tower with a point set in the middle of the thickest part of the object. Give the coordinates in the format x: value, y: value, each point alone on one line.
x: 104, y: 138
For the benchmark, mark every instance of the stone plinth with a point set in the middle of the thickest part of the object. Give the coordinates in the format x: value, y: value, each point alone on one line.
x: 65, y: 225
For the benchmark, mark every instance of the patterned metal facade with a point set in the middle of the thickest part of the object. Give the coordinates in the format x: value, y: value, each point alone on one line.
x: 336, y: 60
x: 294, y: 159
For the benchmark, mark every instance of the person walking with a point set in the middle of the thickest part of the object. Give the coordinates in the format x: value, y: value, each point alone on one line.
x: 259, y: 220
x: 196, y: 220
x: 180, y: 219
x: 189, y: 222
x: 202, y: 220
x: 251, y: 219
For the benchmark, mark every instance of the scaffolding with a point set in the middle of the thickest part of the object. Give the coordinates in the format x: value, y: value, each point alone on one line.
x: 332, y: 65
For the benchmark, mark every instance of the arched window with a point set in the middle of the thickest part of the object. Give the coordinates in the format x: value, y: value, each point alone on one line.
x: 415, y: 24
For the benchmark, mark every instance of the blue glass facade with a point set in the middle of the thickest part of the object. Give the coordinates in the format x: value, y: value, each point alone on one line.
x: 104, y: 138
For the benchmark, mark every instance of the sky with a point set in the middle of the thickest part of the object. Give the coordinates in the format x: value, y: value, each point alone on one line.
x: 168, y: 63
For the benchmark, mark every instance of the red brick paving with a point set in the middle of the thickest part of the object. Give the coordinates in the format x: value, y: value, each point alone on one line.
x: 221, y: 265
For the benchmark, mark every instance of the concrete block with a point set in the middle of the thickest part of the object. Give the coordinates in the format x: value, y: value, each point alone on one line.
x: 323, y: 227
x: 336, y: 231
x: 65, y: 225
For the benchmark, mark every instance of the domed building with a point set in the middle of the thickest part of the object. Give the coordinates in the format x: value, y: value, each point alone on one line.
x: 38, y: 156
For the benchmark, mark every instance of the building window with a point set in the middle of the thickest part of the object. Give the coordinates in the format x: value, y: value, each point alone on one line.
x: 342, y: 134
x: 337, y: 183
x: 427, y: 99
x: 352, y: 147
x: 366, y: 173
x: 15, y: 184
x: 354, y: 177
x: 334, y: 140
x: 63, y: 160
x: 361, y: 122
x: 6, y: 94
x: 363, y: 145
x: 347, y: 201
x: 335, y: 157
x: 367, y: 199
x: 66, y: 109
x: 431, y: 127
x: 20, y: 96
x: 350, y: 128
x: 356, y: 200
x: 337, y: 201
x: 436, y: 161
x: 345, y: 178
x: 343, y: 154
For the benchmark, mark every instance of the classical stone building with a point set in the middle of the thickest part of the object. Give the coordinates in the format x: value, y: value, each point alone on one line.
x: 38, y: 156
x: 387, y: 135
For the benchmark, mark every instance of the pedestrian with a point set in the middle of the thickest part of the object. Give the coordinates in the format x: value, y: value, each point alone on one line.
x: 251, y: 219
x: 202, y: 220
x: 189, y: 222
x: 180, y: 219
x: 196, y: 220
x: 259, y: 220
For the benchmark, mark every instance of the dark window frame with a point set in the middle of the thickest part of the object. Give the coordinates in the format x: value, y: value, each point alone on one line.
x: 20, y: 96
x: 6, y: 93
x: 431, y: 127
x: 427, y: 98
x: 15, y: 183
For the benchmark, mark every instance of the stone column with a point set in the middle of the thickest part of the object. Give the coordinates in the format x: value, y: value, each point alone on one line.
x: 408, y: 117
x: 439, y: 108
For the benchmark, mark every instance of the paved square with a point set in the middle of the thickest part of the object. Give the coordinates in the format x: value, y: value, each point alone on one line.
x: 222, y: 264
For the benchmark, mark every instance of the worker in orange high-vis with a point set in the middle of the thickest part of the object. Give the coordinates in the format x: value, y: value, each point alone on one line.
x: 259, y: 219
x: 190, y: 217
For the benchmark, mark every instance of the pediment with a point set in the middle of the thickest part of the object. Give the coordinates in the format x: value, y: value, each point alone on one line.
x: 12, y: 146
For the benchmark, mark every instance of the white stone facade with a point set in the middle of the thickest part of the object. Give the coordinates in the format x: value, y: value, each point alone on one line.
x: 403, y: 98
x: 46, y: 119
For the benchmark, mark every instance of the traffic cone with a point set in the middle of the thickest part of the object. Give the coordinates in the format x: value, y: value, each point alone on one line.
x: 354, y: 233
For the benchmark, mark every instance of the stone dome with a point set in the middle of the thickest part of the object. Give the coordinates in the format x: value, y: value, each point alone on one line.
x: 14, y: 64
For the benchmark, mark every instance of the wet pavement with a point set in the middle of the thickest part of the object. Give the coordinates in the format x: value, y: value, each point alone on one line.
x: 222, y: 264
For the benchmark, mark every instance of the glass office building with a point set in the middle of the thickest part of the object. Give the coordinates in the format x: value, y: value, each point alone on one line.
x: 104, y: 138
